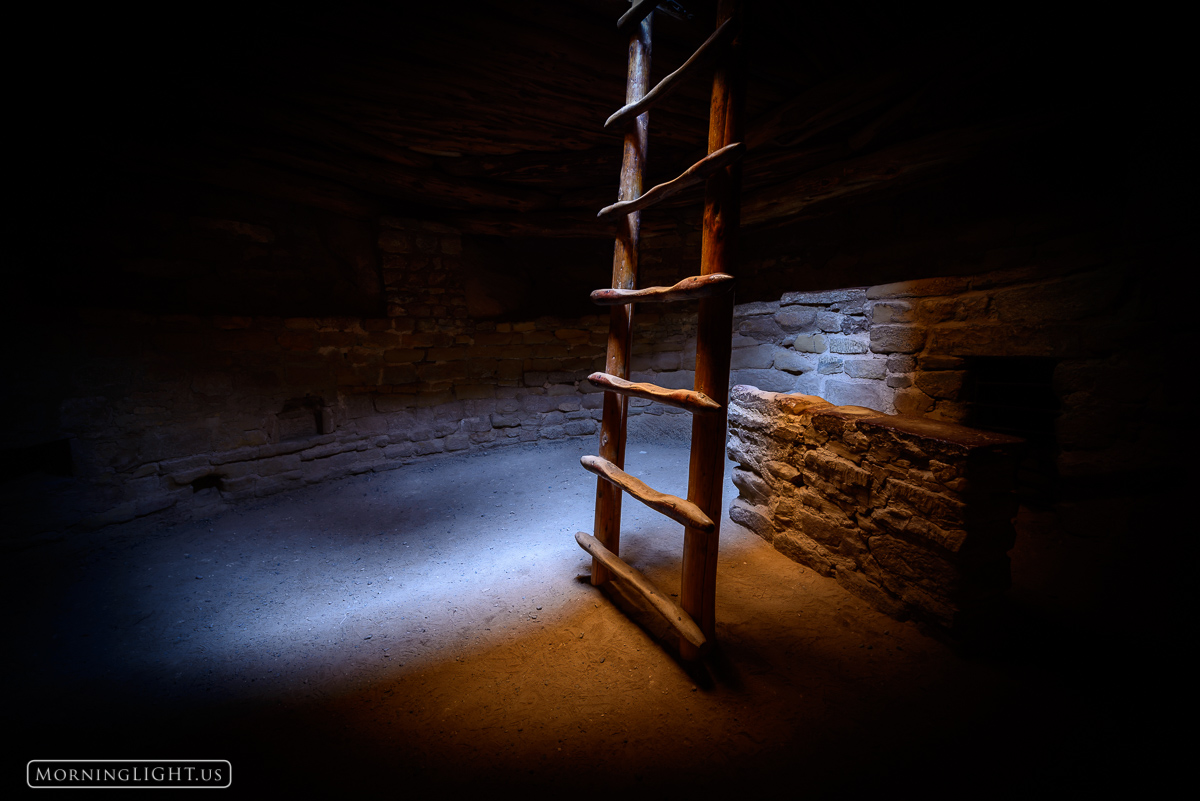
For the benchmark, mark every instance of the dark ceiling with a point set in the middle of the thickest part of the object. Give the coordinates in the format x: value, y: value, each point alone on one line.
x: 490, y: 114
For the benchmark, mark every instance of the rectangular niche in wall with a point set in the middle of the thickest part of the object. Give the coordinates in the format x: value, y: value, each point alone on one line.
x: 302, y: 418
x: 1015, y: 395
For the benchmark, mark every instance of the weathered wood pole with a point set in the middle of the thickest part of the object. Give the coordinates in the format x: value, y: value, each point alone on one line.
x: 672, y: 506
x: 625, y: 255
x: 670, y: 610
x: 718, y: 254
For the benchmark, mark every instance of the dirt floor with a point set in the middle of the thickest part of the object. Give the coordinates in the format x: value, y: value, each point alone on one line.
x: 431, y: 628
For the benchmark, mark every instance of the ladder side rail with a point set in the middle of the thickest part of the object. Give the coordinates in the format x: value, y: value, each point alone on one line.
x: 714, y: 337
x: 670, y: 610
x: 620, y: 335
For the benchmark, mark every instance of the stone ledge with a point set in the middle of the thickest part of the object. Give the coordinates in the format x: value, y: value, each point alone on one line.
x: 913, y: 515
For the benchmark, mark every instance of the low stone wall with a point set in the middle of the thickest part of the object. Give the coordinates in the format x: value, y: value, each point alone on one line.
x: 185, y: 414
x: 913, y: 515
x: 189, y: 413
x: 905, y: 347
x: 248, y: 405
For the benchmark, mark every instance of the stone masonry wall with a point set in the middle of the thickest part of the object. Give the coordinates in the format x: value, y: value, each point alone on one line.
x: 915, y: 516
x: 913, y: 348
x: 902, y: 347
x: 189, y: 412
x: 185, y: 414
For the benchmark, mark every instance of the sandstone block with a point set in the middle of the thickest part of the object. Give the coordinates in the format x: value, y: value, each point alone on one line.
x: 829, y: 321
x: 803, y: 549
x: 754, y: 518
x: 828, y: 365
x: 579, y: 428
x: 854, y: 324
x: 823, y: 297
x: 794, y: 319
x: 763, y: 329
x: 940, y: 384
x: 399, y: 450
x: 912, y: 401
x: 792, y: 361
x: 847, y: 345
x: 936, y: 507
x: 809, y: 384
x: 755, y: 358
x: 892, y: 311
x: 769, y: 380
x: 864, y: 368
x: 851, y: 393
x: 477, y: 424
x: 897, y: 338
x: 751, y: 487
x: 426, y: 447
x: 810, y: 343
x: 457, y: 442
x: 781, y: 471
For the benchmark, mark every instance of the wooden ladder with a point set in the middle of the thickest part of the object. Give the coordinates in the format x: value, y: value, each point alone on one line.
x: 694, y: 616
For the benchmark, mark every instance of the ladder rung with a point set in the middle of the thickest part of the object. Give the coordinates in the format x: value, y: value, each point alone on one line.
x: 672, y: 506
x: 680, y: 398
x: 695, y: 174
x: 640, y: 10
x: 670, y: 610
x: 672, y: 81
x: 693, y: 288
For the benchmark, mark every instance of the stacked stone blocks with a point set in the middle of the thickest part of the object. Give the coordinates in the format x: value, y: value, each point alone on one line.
x: 913, y: 515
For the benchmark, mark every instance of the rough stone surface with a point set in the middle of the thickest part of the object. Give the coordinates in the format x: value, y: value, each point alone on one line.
x: 189, y: 433
x: 792, y: 362
x: 794, y: 319
x: 810, y: 343
x: 913, y: 515
x: 912, y: 401
x: 752, y: 358
x: 828, y: 365
x: 823, y: 298
x: 848, y: 393
x: 772, y: 380
x: 843, y: 344
x: 941, y: 384
x: 829, y: 321
x: 897, y: 339
x: 864, y: 368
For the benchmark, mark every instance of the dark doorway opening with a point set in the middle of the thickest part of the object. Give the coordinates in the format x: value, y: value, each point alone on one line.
x: 1015, y: 395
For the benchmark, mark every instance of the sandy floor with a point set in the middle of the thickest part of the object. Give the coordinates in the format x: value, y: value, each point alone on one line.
x: 432, y: 628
